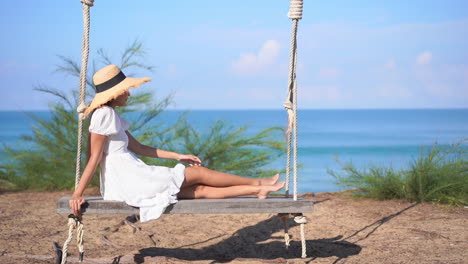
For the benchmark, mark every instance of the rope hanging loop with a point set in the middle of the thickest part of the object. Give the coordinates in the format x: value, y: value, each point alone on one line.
x: 302, y: 220
x: 295, y: 9
x: 74, y: 223
x: 87, y: 2
x: 284, y: 220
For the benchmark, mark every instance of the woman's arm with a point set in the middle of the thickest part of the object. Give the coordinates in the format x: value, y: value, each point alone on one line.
x: 97, y: 146
x: 148, y: 151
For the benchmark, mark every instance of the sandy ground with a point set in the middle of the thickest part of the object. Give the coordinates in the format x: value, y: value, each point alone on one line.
x: 341, y: 230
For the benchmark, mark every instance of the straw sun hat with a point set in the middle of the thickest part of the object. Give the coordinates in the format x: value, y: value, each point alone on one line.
x: 111, y: 82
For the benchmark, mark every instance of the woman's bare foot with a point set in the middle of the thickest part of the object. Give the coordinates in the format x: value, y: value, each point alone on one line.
x: 266, y: 189
x: 269, y: 181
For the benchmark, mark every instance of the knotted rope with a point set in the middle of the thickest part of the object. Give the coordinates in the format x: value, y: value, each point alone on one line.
x: 284, y: 220
x: 75, y: 222
x: 295, y: 9
x: 302, y: 220
x: 299, y: 219
x: 295, y: 13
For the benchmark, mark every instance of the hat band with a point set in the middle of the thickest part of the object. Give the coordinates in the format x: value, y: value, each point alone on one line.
x: 111, y: 82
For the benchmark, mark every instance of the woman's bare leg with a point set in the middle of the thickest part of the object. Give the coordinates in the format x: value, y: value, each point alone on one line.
x: 201, y: 175
x: 199, y: 191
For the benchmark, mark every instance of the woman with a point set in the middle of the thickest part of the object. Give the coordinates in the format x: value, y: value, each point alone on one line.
x: 126, y: 178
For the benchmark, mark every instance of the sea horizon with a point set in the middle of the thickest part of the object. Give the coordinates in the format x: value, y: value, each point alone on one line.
x: 382, y: 137
x: 269, y: 109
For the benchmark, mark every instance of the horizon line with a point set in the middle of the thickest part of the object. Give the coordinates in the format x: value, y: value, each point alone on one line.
x: 268, y: 109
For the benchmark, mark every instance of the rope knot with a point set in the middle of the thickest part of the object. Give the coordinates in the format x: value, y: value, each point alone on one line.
x: 72, y: 222
x: 81, y: 109
x: 287, y: 240
x: 300, y: 219
x: 295, y: 9
x: 87, y: 2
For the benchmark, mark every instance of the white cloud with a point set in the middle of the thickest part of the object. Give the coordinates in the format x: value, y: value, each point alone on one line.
x: 393, y: 90
x: 424, y: 58
x: 329, y: 72
x: 172, y: 71
x: 391, y: 64
x: 320, y: 94
x: 249, y: 63
x: 265, y: 94
x: 444, y: 81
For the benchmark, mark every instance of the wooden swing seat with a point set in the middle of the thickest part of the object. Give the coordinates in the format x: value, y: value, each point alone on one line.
x: 238, y: 205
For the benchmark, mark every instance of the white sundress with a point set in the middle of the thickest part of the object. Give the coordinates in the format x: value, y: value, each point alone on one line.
x: 126, y: 178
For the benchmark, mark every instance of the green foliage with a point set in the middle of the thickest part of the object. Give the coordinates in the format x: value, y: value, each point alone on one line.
x: 229, y: 149
x: 46, y: 160
x: 224, y: 148
x: 439, y: 174
x: 6, y: 180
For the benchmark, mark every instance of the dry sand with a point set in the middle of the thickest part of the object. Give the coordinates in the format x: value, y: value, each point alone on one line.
x: 341, y: 230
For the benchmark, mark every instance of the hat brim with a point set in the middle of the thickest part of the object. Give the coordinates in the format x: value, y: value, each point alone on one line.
x: 114, y: 92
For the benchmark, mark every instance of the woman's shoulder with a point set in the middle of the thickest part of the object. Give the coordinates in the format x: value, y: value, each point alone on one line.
x: 104, y: 121
x: 104, y: 110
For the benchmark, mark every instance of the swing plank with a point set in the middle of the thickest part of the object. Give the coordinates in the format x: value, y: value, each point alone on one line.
x: 238, y: 205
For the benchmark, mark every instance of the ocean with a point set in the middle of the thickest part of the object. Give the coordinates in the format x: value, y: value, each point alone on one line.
x: 390, y: 138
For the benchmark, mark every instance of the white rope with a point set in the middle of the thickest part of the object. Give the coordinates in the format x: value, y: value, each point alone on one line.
x: 84, y: 67
x: 295, y: 13
x: 295, y: 9
x: 291, y: 107
x: 74, y: 222
x: 288, y: 158
x: 79, y: 239
x: 71, y: 229
x: 284, y: 221
x: 87, y: 2
x: 295, y: 129
x: 302, y: 220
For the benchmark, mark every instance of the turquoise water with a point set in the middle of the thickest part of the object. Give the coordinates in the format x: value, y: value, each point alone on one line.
x: 380, y: 137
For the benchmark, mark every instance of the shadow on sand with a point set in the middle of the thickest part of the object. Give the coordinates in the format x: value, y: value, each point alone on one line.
x: 248, y: 243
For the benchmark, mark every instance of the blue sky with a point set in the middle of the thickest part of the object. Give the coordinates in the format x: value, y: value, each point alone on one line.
x: 235, y: 54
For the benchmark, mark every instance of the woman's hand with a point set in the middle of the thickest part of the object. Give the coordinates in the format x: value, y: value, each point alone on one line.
x: 75, y: 203
x: 190, y: 159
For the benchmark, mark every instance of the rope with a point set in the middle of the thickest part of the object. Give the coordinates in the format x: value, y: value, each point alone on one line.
x: 295, y: 9
x: 74, y: 222
x: 79, y: 239
x: 302, y: 220
x: 295, y: 13
x: 288, y: 158
x: 87, y: 2
x: 295, y: 123
x: 284, y: 218
x: 84, y: 67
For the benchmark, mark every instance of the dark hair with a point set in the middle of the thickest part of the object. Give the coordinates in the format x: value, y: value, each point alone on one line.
x: 108, y: 102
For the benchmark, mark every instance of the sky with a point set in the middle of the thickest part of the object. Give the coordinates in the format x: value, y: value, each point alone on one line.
x: 235, y: 54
